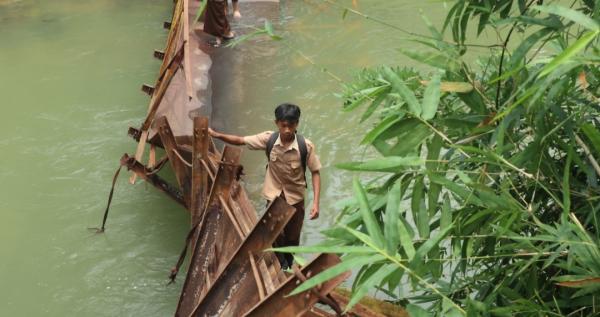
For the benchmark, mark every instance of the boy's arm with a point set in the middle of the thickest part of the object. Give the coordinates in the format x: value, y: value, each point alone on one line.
x: 227, y: 138
x: 316, y: 182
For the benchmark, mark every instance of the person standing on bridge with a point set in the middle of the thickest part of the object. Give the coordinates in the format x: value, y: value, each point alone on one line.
x: 215, y: 21
x: 288, y: 154
x: 236, y: 9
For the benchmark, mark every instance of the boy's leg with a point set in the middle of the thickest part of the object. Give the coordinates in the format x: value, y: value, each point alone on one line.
x: 291, y: 232
x: 236, y: 9
x: 290, y: 236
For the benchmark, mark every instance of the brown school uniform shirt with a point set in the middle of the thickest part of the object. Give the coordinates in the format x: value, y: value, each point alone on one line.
x: 284, y: 170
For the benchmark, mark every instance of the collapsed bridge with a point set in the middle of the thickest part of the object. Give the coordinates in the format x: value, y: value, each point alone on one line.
x: 230, y: 273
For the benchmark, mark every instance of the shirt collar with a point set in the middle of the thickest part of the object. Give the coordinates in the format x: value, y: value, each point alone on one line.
x: 294, y: 144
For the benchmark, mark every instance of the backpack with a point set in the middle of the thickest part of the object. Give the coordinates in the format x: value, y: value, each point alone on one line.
x: 301, y: 146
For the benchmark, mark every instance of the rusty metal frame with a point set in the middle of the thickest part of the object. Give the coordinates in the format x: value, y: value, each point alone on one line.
x: 234, y: 289
x: 200, y: 174
x: 204, y: 240
x: 182, y: 173
x: 278, y: 305
x: 146, y: 174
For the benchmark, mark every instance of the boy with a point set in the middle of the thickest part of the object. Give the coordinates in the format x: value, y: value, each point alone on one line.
x: 288, y: 156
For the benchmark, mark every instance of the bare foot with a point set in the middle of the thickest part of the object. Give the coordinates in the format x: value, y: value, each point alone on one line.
x: 229, y: 36
x: 237, y: 15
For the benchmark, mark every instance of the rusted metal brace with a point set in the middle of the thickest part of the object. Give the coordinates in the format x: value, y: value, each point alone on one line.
x: 158, y: 166
x: 182, y: 255
x: 208, y: 170
x: 327, y: 299
x: 181, y: 158
x: 110, y: 196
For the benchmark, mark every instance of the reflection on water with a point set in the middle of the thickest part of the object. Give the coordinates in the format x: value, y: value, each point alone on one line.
x: 71, y: 72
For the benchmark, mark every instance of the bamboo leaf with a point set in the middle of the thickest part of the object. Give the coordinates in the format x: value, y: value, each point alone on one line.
x: 336, y: 270
x: 364, y: 95
x: 269, y: 28
x: 416, y: 201
x: 368, y: 284
x: 380, y: 128
x: 446, y: 216
x: 428, y: 245
x: 390, y: 228
x: 400, y: 87
x: 571, y: 51
x: 323, y: 249
x: 570, y: 14
x: 458, y: 87
x: 406, y: 239
x: 423, y: 221
x: 592, y: 133
x: 416, y: 311
x: 374, y: 104
x: 367, y: 214
x: 566, y: 188
x: 386, y: 164
x: 579, y: 283
x: 521, y: 51
x: 455, y: 86
x: 435, y: 59
x: 431, y: 98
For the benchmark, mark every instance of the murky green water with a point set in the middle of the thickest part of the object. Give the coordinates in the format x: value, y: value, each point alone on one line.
x: 70, y: 77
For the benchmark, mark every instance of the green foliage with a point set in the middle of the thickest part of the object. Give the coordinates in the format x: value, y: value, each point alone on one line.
x: 487, y: 199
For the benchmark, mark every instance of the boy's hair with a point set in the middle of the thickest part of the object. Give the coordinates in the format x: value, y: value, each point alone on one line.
x: 287, y: 112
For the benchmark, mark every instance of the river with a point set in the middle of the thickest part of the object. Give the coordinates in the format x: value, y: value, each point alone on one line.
x: 71, y: 73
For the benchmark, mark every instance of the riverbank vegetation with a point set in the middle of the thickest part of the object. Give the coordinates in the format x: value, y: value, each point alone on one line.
x: 480, y: 196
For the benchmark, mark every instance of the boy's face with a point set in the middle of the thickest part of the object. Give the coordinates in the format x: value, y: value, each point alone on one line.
x: 286, y: 129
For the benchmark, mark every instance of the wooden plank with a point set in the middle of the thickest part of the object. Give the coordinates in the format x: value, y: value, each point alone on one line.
x: 279, y: 304
x: 199, y: 173
x: 233, y: 292
x: 182, y: 173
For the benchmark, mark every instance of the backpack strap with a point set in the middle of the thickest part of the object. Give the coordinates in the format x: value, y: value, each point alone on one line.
x: 303, y: 151
x: 271, y: 143
x: 301, y: 146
